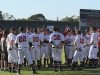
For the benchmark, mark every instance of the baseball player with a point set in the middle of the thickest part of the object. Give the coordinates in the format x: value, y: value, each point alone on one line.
x: 68, y: 48
x: 93, y: 48
x: 44, y: 48
x: 12, y: 54
x: 57, y: 40
x: 4, y: 56
x: 50, y: 48
x: 72, y: 51
x: 98, y: 54
x: 24, y: 43
x: 87, y: 46
x: 37, y: 40
x: 28, y: 31
x: 79, y: 50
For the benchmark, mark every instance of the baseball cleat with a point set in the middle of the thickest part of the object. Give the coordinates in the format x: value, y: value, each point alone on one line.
x: 18, y: 73
x: 35, y: 72
x: 14, y: 71
x: 56, y: 70
x: 73, y: 68
x: 60, y: 69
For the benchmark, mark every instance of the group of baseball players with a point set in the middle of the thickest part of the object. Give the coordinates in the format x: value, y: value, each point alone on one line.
x: 37, y: 45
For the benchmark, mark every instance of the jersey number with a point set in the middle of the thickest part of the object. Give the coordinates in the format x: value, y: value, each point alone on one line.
x: 81, y: 40
x: 22, y: 39
x: 35, y: 39
x: 56, y: 37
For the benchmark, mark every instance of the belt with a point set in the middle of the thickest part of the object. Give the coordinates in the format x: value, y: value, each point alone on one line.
x: 23, y: 47
x: 44, y: 45
x: 71, y: 45
x: 87, y: 45
x: 79, y: 50
x: 55, y: 47
x: 68, y: 45
x: 33, y: 46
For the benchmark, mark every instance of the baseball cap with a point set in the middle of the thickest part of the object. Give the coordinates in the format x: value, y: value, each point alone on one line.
x: 21, y: 29
x: 28, y: 27
x: 75, y: 27
x: 87, y: 30
x: 35, y: 30
x: 44, y: 26
x: 47, y: 29
x: 13, y: 28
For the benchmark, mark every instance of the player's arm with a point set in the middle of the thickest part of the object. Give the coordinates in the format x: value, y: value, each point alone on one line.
x: 75, y: 43
x: 41, y: 41
x: 30, y: 41
x: 62, y: 41
x: 16, y: 41
x: 51, y: 40
x: 92, y: 41
x: 85, y: 42
x: 12, y: 42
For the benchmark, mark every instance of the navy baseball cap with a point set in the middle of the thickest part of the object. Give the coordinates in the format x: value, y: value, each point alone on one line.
x: 75, y: 27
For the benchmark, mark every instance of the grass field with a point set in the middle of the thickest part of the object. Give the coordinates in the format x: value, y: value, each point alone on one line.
x: 50, y: 71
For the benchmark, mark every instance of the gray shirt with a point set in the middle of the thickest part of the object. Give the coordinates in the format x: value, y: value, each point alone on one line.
x: 3, y: 44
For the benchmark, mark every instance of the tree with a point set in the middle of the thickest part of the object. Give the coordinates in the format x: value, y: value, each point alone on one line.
x: 22, y: 19
x: 6, y: 16
x: 1, y: 17
x: 71, y: 19
x: 37, y: 17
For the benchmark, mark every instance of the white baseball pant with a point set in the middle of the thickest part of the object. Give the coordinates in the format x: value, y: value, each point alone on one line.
x: 44, y: 52
x: 72, y: 51
x: 68, y: 51
x: 12, y: 56
x: 24, y: 52
x: 86, y: 51
x: 50, y: 50
x: 56, y: 54
x: 93, y: 52
x: 35, y: 53
x: 78, y: 55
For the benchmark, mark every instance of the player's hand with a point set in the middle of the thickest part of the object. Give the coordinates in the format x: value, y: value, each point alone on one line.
x: 30, y: 48
x: 12, y: 48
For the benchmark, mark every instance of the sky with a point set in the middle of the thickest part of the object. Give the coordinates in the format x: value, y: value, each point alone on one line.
x: 51, y: 9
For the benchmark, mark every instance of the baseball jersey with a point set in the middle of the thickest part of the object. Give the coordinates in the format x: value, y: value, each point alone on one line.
x: 94, y: 37
x: 88, y: 37
x: 68, y: 38
x: 10, y: 37
x: 73, y: 39
x: 80, y: 41
x: 36, y: 39
x: 56, y: 38
x: 23, y: 40
x: 45, y: 38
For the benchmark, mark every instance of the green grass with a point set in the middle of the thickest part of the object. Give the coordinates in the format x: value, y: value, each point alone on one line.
x: 50, y: 71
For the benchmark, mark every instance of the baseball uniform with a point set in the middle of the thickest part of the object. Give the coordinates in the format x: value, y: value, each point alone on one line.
x: 56, y: 38
x: 23, y: 40
x: 68, y: 47
x: 87, y: 48
x: 12, y: 54
x: 94, y: 47
x: 79, y: 53
x: 35, y: 52
x: 44, y: 48
x: 93, y: 60
x: 72, y: 49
